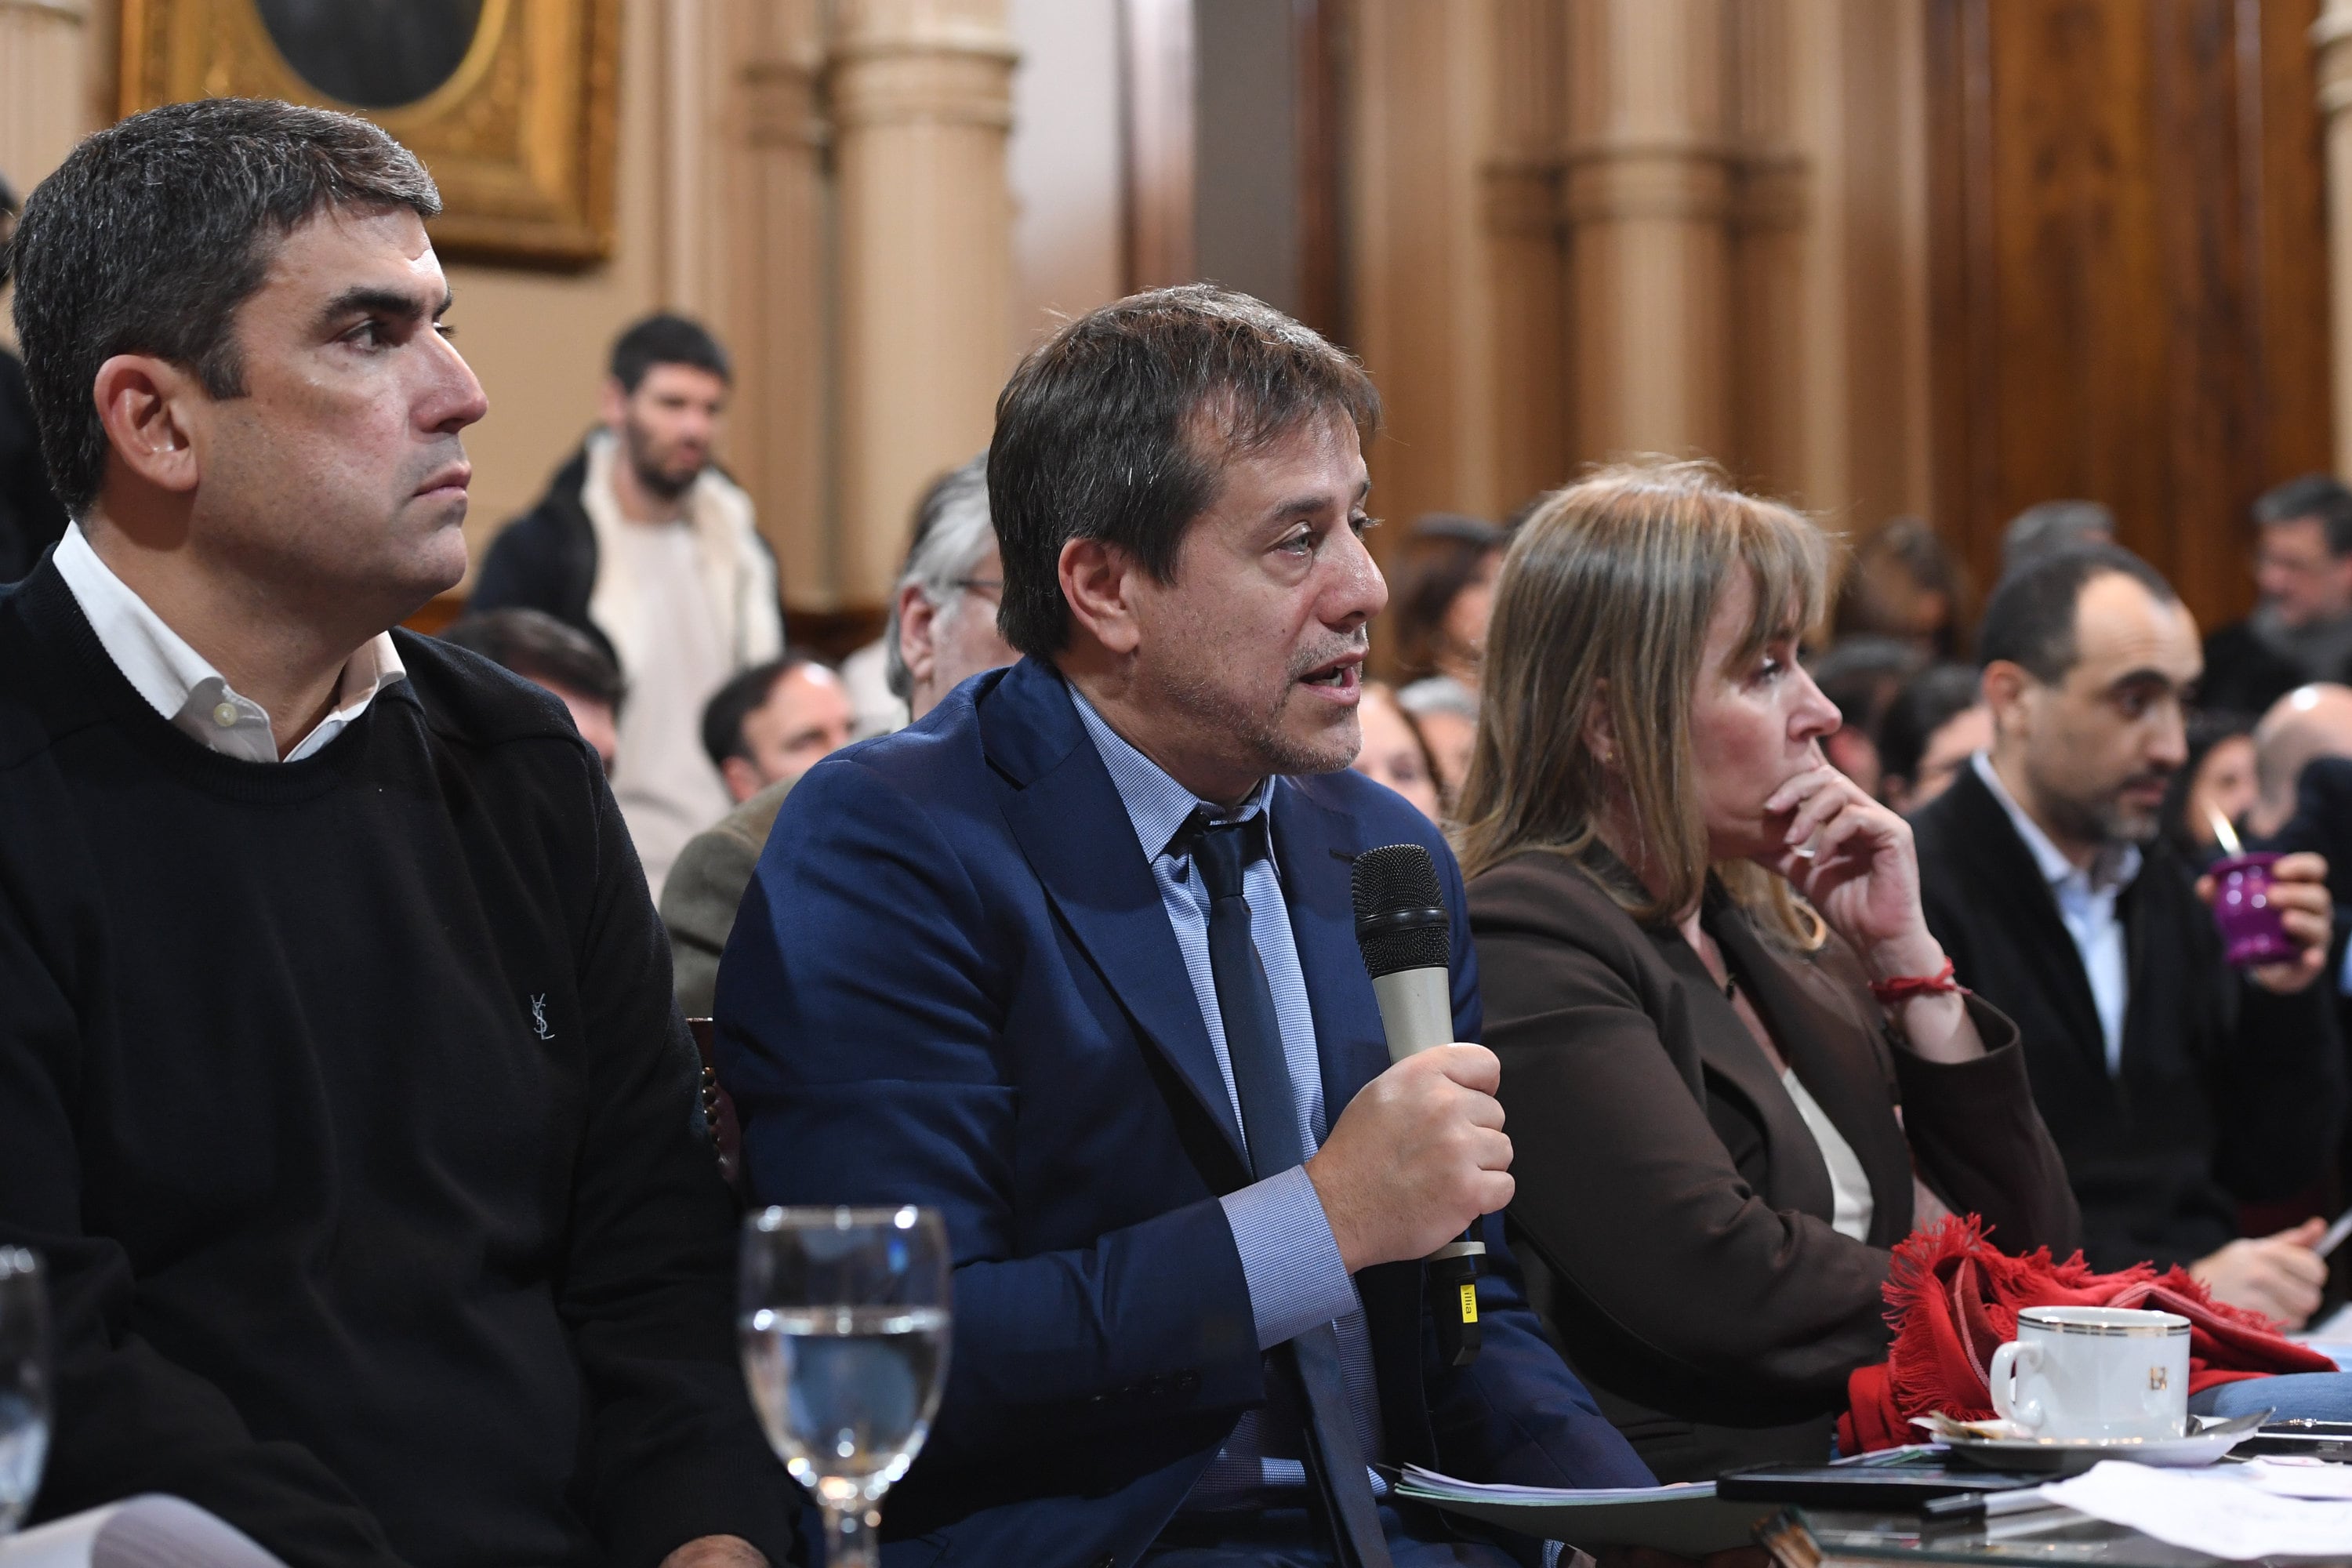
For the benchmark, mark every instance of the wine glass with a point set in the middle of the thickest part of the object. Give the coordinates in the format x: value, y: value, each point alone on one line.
x: 24, y: 1382
x: 844, y: 1321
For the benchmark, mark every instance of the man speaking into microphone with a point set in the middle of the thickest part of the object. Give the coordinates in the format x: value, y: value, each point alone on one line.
x: 1074, y: 959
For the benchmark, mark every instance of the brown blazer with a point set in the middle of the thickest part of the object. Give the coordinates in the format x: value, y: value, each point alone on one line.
x: 1674, y: 1210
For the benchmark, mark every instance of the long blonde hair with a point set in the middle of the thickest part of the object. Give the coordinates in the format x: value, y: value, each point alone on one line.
x: 1605, y: 595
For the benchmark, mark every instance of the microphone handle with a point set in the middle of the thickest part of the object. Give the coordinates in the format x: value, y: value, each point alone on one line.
x: 1417, y: 1013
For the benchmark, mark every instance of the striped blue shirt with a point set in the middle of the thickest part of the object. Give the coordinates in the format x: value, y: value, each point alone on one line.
x: 1288, y: 1256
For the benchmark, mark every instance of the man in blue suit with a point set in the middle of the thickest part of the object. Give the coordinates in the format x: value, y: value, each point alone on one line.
x: 1073, y: 960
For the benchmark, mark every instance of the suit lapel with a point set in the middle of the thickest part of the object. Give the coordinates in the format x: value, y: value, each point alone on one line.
x: 1799, y: 1179
x: 2010, y: 888
x: 1067, y: 815
x: 1838, y: 1063
x: 1314, y: 849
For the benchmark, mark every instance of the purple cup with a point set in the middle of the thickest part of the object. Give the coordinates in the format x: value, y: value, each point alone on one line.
x: 2251, y: 932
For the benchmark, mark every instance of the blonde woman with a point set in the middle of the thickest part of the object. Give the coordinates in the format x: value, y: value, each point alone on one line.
x: 1707, y: 976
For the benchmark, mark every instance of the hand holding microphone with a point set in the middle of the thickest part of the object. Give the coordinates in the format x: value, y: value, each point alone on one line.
x: 1418, y: 1154
x: 1415, y: 1158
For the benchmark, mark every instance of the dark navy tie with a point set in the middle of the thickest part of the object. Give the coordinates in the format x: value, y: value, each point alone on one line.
x: 1270, y: 1127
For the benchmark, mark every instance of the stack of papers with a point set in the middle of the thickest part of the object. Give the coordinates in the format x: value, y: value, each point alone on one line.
x: 143, y: 1533
x: 2270, y: 1508
x: 1688, y: 1518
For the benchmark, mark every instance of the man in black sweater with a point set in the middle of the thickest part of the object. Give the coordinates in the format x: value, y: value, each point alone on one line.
x: 340, y: 1083
x: 2176, y: 1088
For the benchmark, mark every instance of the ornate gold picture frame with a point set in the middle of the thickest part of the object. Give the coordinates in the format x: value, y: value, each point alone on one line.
x: 511, y: 103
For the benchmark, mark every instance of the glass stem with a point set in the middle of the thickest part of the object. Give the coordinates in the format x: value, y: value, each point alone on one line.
x: 852, y: 1539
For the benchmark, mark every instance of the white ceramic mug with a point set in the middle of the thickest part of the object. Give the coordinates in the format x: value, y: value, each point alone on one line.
x: 2094, y: 1372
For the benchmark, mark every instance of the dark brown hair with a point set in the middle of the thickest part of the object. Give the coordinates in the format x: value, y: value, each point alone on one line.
x: 1441, y: 557
x: 153, y: 231
x: 543, y: 650
x: 1117, y: 426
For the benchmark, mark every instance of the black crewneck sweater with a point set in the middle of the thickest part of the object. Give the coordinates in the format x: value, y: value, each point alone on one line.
x: 347, y: 1101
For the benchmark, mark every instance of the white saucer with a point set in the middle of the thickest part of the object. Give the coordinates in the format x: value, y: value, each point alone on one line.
x: 2004, y: 1445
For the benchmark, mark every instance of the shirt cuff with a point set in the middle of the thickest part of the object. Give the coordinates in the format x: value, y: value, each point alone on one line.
x: 1289, y: 1257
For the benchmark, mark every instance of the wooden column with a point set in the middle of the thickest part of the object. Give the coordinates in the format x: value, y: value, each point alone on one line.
x: 1649, y: 201
x: 1156, y: 88
x: 2130, y: 269
x: 920, y: 98
x: 1776, y: 249
x: 1457, y: 251
x: 1522, y: 255
x: 2331, y: 38
x: 1829, y: 227
x: 775, y: 289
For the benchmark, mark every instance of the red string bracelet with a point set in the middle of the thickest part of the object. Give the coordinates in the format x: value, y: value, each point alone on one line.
x: 1903, y: 987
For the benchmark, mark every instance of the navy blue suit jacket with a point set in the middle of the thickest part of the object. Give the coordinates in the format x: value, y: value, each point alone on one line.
x: 953, y: 983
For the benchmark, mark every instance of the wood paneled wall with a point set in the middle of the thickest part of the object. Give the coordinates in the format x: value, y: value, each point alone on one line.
x: 1583, y: 230
x: 2129, y: 286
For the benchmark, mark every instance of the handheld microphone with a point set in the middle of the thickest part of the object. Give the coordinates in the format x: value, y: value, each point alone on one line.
x: 1402, y: 926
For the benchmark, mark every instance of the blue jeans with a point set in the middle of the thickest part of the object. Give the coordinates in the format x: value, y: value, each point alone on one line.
x: 2298, y: 1396
x: 1288, y: 1537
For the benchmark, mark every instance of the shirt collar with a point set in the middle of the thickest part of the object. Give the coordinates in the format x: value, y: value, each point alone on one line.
x: 375, y: 666
x: 2111, y: 869
x: 1157, y: 805
x: 170, y: 675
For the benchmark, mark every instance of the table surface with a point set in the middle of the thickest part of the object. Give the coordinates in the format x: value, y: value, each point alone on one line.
x: 2056, y: 1536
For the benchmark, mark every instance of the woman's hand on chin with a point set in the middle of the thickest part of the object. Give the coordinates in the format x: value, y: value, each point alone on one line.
x: 1853, y: 860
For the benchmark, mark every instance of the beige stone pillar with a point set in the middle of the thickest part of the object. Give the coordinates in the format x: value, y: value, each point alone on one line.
x: 44, y: 97
x: 1650, y: 186
x: 1775, y: 245
x: 921, y: 100
x: 1456, y: 251
x: 1522, y: 253
x: 774, y: 288
x: 2331, y: 36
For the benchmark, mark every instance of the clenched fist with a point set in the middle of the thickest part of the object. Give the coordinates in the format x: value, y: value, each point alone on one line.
x: 1416, y: 1157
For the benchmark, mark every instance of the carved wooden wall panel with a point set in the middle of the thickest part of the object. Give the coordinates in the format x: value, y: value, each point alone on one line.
x: 2130, y: 286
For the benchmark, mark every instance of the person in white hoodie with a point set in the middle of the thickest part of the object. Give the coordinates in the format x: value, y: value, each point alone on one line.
x: 644, y: 545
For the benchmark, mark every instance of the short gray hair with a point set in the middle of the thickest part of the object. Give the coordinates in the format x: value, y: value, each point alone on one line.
x: 2050, y: 526
x: 952, y: 532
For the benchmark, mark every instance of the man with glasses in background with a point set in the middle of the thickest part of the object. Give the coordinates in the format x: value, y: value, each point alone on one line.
x: 942, y: 630
x: 2301, y: 632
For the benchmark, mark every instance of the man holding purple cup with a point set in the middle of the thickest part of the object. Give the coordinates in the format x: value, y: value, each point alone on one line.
x: 2183, y: 1058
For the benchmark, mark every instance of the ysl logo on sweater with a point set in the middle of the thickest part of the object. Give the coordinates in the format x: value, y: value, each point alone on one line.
x: 539, y: 1016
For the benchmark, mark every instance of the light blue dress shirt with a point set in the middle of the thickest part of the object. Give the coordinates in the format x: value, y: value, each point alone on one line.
x: 2086, y: 904
x: 1289, y: 1257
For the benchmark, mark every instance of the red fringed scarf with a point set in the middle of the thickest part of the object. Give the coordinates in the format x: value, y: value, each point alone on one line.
x: 1952, y: 1299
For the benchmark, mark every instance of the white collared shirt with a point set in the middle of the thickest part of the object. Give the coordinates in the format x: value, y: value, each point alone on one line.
x: 2086, y: 903
x: 179, y: 683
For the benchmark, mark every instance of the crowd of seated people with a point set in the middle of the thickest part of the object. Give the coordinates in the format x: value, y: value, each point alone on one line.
x: 345, y: 1083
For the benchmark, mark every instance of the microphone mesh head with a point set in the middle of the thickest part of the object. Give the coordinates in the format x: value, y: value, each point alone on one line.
x: 1401, y: 920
